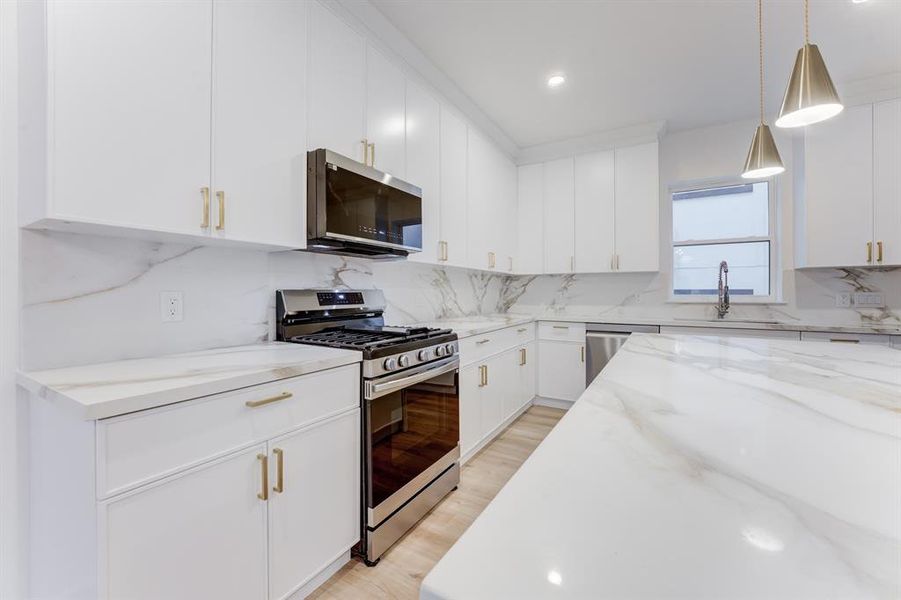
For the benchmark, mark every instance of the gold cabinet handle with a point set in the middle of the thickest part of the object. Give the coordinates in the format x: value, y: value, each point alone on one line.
x: 878, y: 251
x: 442, y: 251
x: 264, y: 469
x: 279, y: 470
x: 844, y: 341
x: 365, y: 151
x: 582, y: 349
x: 522, y: 330
x: 486, y: 374
x: 270, y: 400
x: 869, y: 252
x: 491, y: 260
x: 561, y: 326
x: 372, y: 154
x: 481, y: 375
x: 617, y: 262
x: 522, y: 356
x: 485, y: 341
x: 220, y: 198
x: 205, y: 221
x: 511, y: 263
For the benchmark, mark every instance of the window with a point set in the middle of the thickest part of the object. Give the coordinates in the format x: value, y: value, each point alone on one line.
x: 732, y: 223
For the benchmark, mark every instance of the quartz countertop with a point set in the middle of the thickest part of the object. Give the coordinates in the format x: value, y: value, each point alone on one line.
x: 704, y: 467
x: 466, y: 327
x: 109, y: 389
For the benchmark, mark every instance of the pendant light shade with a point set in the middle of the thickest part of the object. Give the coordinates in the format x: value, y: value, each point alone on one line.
x: 763, y: 157
x: 810, y: 96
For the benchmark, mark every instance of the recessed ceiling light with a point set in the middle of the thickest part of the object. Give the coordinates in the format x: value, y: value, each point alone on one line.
x: 556, y: 81
x: 858, y: 1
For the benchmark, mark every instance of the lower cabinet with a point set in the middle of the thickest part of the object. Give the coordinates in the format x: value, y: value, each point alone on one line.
x: 561, y: 370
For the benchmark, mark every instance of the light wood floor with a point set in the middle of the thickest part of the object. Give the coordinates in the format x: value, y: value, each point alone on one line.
x: 402, y: 568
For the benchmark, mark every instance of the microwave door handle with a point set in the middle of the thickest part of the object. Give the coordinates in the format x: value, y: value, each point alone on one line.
x: 377, y: 389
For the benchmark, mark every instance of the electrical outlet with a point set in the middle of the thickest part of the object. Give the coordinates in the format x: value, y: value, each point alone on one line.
x: 843, y: 300
x: 869, y: 300
x: 171, y: 307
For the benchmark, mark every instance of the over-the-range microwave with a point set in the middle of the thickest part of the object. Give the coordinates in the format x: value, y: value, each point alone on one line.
x: 353, y: 209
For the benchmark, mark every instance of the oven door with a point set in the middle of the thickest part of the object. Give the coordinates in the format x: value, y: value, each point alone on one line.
x: 411, y: 433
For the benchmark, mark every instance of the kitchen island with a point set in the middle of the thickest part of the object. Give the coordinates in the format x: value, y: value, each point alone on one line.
x: 704, y: 467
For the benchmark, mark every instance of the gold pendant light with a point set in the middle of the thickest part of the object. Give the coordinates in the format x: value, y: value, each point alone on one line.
x: 810, y: 96
x: 763, y: 157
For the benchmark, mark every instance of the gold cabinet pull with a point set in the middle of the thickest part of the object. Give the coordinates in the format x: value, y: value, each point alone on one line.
x: 205, y: 221
x: 522, y: 330
x: 279, y: 470
x: 270, y: 400
x: 486, y: 374
x: 844, y: 341
x: 365, y: 151
x: 617, y: 262
x: 561, y: 326
x: 869, y: 252
x: 582, y: 349
x: 485, y: 341
x: 220, y: 198
x: 522, y: 356
x: 442, y: 251
x: 372, y: 154
x: 511, y: 263
x: 264, y: 469
x: 481, y: 376
x: 491, y: 260
x: 878, y: 251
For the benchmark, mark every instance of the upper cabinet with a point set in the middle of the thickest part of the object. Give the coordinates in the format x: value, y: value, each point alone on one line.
x: 849, y: 214
x: 595, y: 212
x: 637, y: 200
x: 452, y: 246
x: 530, y: 219
x: 385, y: 114
x: 337, y: 85
x: 491, y: 205
x: 559, y: 216
x: 423, y: 115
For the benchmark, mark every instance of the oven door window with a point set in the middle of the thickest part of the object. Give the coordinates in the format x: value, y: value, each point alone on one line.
x: 409, y: 430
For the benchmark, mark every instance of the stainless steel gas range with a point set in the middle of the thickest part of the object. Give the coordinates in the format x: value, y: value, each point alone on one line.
x: 411, y: 404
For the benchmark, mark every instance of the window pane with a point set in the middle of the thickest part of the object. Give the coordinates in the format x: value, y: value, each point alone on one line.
x: 719, y: 213
x: 695, y: 268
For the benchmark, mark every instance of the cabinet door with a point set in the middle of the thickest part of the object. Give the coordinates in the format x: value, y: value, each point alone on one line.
x: 839, y: 196
x: 337, y: 95
x: 482, y: 197
x: 259, y: 121
x: 887, y: 178
x: 385, y: 121
x: 528, y: 374
x: 559, y: 216
x: 316, y: 515
x: 594, y: 212
x: 423, y: 165
x: 495, y: 393
x: 561, y: 370
x: 637, y: 206
x: 130, y: 98
x: 199, y: 534
x: 507, y: 216
x: 453, y: 189
x: 470, y: 408
x: 530, y: 243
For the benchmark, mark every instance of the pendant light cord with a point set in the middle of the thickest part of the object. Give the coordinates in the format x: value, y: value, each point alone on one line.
x: 760, y: 49
x: 806, y: 24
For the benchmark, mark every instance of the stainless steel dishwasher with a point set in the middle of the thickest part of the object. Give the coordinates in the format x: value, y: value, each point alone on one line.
x: 603, y: 340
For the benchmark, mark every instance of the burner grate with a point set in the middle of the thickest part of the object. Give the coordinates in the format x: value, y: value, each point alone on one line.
x: 367, y: 338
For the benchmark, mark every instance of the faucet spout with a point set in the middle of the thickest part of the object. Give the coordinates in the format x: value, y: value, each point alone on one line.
x: 722, y: 303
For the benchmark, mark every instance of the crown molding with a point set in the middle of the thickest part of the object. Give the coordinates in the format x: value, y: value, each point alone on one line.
x: 602, y: 140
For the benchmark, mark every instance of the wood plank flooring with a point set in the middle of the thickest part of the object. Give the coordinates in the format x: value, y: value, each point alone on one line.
x: 403, y: 567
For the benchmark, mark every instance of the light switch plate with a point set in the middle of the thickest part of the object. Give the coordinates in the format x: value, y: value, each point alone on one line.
x: 869, y: 300
x: 843, y: 300
x: 171, y: 307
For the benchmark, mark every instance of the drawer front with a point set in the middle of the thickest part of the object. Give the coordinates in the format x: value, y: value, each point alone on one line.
x: 852, y: 338
x: 563, y: 332
x: 147, y: 445
x: 479, y: 347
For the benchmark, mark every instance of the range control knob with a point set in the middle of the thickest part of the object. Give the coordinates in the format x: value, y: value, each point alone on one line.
x: 441, y: 351
x: 404, y: 361
x: 425, y: 355
x: 450, y: 349
x: 390, y: 364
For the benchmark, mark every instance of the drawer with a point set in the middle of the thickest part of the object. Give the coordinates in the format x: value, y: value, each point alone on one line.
x: 478, y: 347
x: 144, y: 446
x: 852, y: 338
x: 778, y: 334
x: 569, y: 332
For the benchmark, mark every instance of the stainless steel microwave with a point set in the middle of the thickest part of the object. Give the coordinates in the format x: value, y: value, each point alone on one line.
x: 353, y: 209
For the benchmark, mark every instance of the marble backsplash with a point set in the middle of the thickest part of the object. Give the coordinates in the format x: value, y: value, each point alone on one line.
x: 89, y: 299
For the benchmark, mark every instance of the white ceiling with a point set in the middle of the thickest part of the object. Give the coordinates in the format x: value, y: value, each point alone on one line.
x: 689, y: 62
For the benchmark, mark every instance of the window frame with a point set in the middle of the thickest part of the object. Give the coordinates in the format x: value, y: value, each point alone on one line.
x: 775, y: 281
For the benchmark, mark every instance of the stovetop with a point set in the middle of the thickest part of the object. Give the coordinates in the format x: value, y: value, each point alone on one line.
x: 377, y: 341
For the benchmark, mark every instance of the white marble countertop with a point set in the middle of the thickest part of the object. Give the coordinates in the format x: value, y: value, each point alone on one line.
x: 477, y: 325
x: 110, y: 389
x: 700, y: 467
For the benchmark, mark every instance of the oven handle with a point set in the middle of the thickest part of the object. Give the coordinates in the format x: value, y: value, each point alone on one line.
x: 377, y: 389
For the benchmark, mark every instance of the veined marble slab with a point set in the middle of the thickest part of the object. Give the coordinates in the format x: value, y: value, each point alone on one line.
x: 466, y: 327
x: 704, y: 467
x: 109, y: 389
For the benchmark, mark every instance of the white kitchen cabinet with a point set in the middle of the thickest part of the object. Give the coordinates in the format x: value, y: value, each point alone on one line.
x: 595, y: 213
x: 259, y: 121
x: 499, y: 384
x: 310, y: 528
x: 896, y: 341
x: 199, y: 534
x: 470, y: 408
x: 837, y: 207
x: 887, y: 182
x: 525, y: 378
x: 336, y: 109
x: 637, y: 200
x: 485, y: 199
x: 507, y: 217
x: 423, y: 116
x: 530, y: 219
x: 561, y: 369
x: 453, y: 173
x: 879, y: 339
x: 128, y: 86
x: 385, y: 114
x: 559, y: 216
